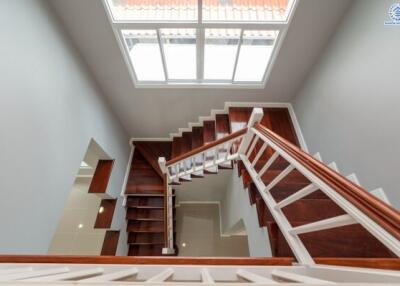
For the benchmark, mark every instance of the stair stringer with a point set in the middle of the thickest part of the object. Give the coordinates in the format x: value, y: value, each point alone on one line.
x: 236, y: 207
x: 379, y: 192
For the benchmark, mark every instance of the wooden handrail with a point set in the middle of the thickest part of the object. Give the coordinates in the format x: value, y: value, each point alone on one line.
x: 157, y: 260
x: 207, y: 146
x: 383, y: 214
x: 378, y: 263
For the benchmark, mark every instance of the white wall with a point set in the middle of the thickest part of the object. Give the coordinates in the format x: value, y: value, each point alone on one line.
x: 348, y: 108
x: 191, y: 218
x: 210, y: 188
x: 50, y: 108
x: 236, y: 208
x: 81, y: 208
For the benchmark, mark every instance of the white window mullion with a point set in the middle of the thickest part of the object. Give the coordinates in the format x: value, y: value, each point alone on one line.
x: 237, y: 55
x: 200, y: 53
x: 161, y: 45
x: 200, y: 42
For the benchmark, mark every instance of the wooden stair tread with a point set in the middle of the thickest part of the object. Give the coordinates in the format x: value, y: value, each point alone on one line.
x: 145, y: 201
x: 145, y: 250
x: 147, y: 207
x: 146, y: 195
x: 146, y: 243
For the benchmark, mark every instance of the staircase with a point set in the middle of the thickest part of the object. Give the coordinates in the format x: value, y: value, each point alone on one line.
x: 145, y: 201
x: 321, y: 224
x: 214, y: 145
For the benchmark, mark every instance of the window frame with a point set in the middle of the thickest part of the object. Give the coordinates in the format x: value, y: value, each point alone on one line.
x: 119, y: 25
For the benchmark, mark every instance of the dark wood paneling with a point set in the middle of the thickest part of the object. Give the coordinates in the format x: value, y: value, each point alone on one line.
x: 238, y: 117
x: 186, y: 142
x: 276, y: 119
x: 380, y: 263
x: 143, y: 178
x: 197, y: 137
x: 152, y: 151
x: 145, y: 202
x: 162, y: 260
x: 110, y: 243
x: 145, y: 226
x: 145, y: 238
x: 157, y: 148
x: 279, y: 246
x: 253, y: 191
x: 104, y: 219
x: 312, y: 210
x: 282, y: 124
x: 222, y: 127
x: 208, y: 131
x: 181, y: 145
x: 177, y: 143
x: 348, y: 241
x: 101, y: 176
x: 145, y: 214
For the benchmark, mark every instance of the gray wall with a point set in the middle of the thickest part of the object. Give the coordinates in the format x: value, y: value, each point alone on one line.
x: 348, y: 108
x: 50, y: 108
x: 236, y: 209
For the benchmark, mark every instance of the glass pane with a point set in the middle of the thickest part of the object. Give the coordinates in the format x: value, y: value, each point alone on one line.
x: 145, y: 55
x: 254, y: 55
x: 180, y: 53
x: 220, y: 53
x: 153, y: 10
x: 245, y: 10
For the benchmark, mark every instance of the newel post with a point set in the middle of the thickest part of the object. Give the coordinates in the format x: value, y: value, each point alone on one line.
x: 168, y: 248
x: 163, y: 164
x: 256, y: 116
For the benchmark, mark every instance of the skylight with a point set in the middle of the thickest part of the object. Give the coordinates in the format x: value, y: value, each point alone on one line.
x: 174, y: 42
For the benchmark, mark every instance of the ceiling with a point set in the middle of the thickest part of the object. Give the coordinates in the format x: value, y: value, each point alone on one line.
x: 160, y: 111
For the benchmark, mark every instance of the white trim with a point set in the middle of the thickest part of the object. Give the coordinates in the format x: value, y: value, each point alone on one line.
x: 128, y: 168
x: 225, y: 110
x: 299, y: 278
x: 329, y: 223
x: 334, y: 166
x: 358, y: 270
x: 297, y: 128
x: 197, y: 275
x: 84, y: 176
x: 199, y: 25
x: 353, y: 177
x: 380, y: 194
x: 143, y: 139
x: 255, y: 278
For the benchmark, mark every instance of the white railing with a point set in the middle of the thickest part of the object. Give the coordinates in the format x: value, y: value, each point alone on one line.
x: 196, y: 164
x: 208, y: 158
x: 202, y: 161
x: 126, y: 274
